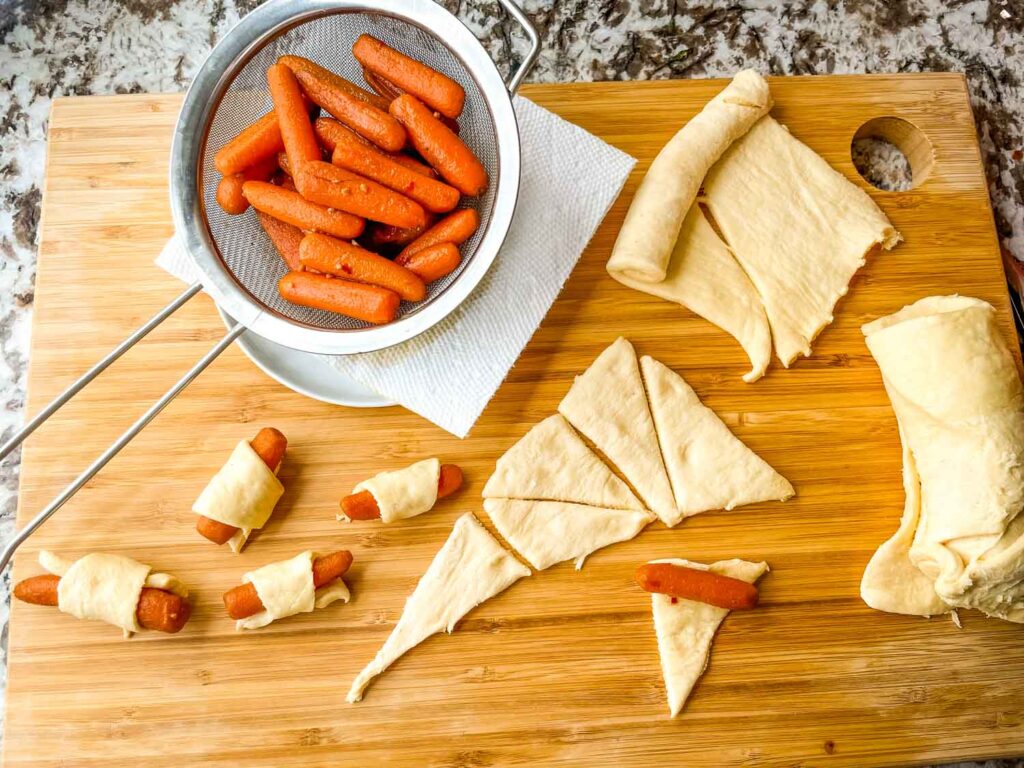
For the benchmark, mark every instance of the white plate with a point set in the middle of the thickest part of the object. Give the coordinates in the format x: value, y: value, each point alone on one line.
x: 305, y: 372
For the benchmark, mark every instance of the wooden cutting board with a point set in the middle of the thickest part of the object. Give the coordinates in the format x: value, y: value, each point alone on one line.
x: 563, y: 667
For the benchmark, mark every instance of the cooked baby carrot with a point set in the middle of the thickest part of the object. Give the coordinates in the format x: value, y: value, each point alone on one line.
x: 337, y: 188
x: 229, y: 191
x: 390, y: 91
x: 366, y: 120
x: 293, y: 208
x: 259, y: 140
x: 244, y: 601
x: 363, y: 302
x: 434, y: 262
x: 296, y: 129
x: 298, y: 64
x: 347, y: 260
x: 331, y: 133
x: 455, y: 228
x: 694, y: 584
x: 440, y: 147
x: 437, y: 90
x: 434, y: 196
x: 385, y: 237
x: 363, y: 506
x: 285, y: 238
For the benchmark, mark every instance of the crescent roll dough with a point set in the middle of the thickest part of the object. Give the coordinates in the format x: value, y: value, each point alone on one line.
x: 105, y: 587
x: 959, y: 403
x: 403, y: 493
x: 286, y: 588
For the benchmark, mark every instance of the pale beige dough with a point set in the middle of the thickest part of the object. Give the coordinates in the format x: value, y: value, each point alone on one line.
x: 404, y: 493
x: 286, y: 588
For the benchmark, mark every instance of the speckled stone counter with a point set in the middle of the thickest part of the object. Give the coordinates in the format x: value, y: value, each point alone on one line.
x: 55, y: 48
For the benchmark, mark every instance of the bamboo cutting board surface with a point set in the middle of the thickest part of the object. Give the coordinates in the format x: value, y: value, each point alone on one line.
x: 563, y: 667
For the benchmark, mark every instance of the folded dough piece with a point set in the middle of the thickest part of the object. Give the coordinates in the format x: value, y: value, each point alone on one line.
x: 552, y: 462
x: 704, y: 276
x: 959, y: 402
x: 651, y: 227
x: 548, y: 532
x: 685, y: 629
x: 286, y: 588
x: 105, y: 587
x: 608, y: 405
x: 242, y: 494
x: 798, y: 228
x: 403, y: 493
x: 470, y: 568
x: 710, y: 468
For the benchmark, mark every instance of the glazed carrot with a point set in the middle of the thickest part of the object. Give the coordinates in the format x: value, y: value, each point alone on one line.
x: 693, y: 584
x: 390, y: 91
x: 331, y: 133
x: 335, y: 187
x: 430, y: 86
x: 385, y: 237
x: 285, y: 238
x: 362, y: 505
x: 434, y: 196
x: 434, y: 262
x: 366, y: 120
x: 270, y: 445
x: 440, y: 147
x: 347, y: 260
x: 298, y: 64
x: 363, y: 302
x: 455, y: 228
x: 229, y: 191
x: 244, y: 601
x: 261, y: 139
x: 294, y: 209
x: 296, y: 129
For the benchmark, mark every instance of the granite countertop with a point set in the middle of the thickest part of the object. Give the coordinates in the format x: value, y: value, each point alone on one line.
x: 52, y: 48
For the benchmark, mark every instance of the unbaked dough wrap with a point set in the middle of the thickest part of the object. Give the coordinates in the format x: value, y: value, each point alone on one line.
x: 404, y: 492
x: 665, y: 194
x: 105, y: 587
x: 286, y: 588
x: 959, y: 402
x: 243, y: 494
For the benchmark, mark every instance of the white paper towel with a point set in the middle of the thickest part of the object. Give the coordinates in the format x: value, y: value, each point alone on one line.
x: 449, y: 373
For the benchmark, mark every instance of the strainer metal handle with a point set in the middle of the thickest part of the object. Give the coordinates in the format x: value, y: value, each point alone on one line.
x: 516, y: 78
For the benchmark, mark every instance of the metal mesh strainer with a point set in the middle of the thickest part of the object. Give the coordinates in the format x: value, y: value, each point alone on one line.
x: 239, y: 267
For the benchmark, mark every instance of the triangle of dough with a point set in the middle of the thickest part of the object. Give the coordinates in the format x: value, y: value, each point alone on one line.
x: 552, y: 462
x: 710, y: 468
x: 470, y: 568
x: 608, y: 405
x: 686, y: 628
x: 548, y: 532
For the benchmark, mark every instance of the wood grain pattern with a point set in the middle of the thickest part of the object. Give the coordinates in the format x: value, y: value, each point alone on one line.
x: 562, y: 668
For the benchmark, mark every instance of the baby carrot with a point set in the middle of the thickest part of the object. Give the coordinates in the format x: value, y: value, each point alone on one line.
x: 366, y: 120
x: 437, y: 90
x: 390, y: 91
x: 292, y: 208
x: 285, y: 238
x: 336, y: 188
x: 434, y: 196
x: 336, y: 257
x: 380, y: 237
x: 296, y: 129
x: 259, y: 140
x: 369, y: 303
x: 229, y: 191
x: 434, y: 262
x: 331, y: 134
x: 693, y: 584
x: 455, y: 228
x: 299, y: 64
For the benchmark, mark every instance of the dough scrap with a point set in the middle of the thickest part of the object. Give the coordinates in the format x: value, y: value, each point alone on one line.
x: 608, y: 405
x: 709, y: 467
x: 552, y: 462
x: 798, y: 228
x: 470, y: 568
x: 548, y: 532
x: 286, y: 588
x: 404, y: 493
x: 686, y: 628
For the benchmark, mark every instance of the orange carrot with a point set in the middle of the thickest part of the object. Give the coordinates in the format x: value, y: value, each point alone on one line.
x: 336, y: 257
x: 385, y: 237
x: 337, y: 188
x: 366, y: 120
x: 331, y: 133
x: 434, y: 196
x: 292, y: 208
x: 296, y: 129
x: 261, y: 139
x: 455, y: 228
x: 363, y: 506
x: 434, y: 262
x: 440, y: 147
x: 229, y: 191
x: 298, y: 64
x: 285, y: 238
x: 437, y: 90
x: 390, y: 91
x: 369, y: 303
x: 693, y: 584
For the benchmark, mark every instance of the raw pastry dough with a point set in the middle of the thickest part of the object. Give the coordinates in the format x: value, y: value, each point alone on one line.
x: 798, y: 228
x: 608, y: 405
x: 685, y: 629
x: 242, y: 494
x: 709, y: 467
x: 704, y: 276
x: 552, y: 462
x: 286, y: 588
x: 470, y: 568
x: 105, y: 587
x: 651, y: 227
x: 548, y: 532
x: 959, y: 403
x: 405, y: 492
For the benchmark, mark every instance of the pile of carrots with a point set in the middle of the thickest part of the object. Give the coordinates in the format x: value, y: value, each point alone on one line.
x: 361, y: 205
